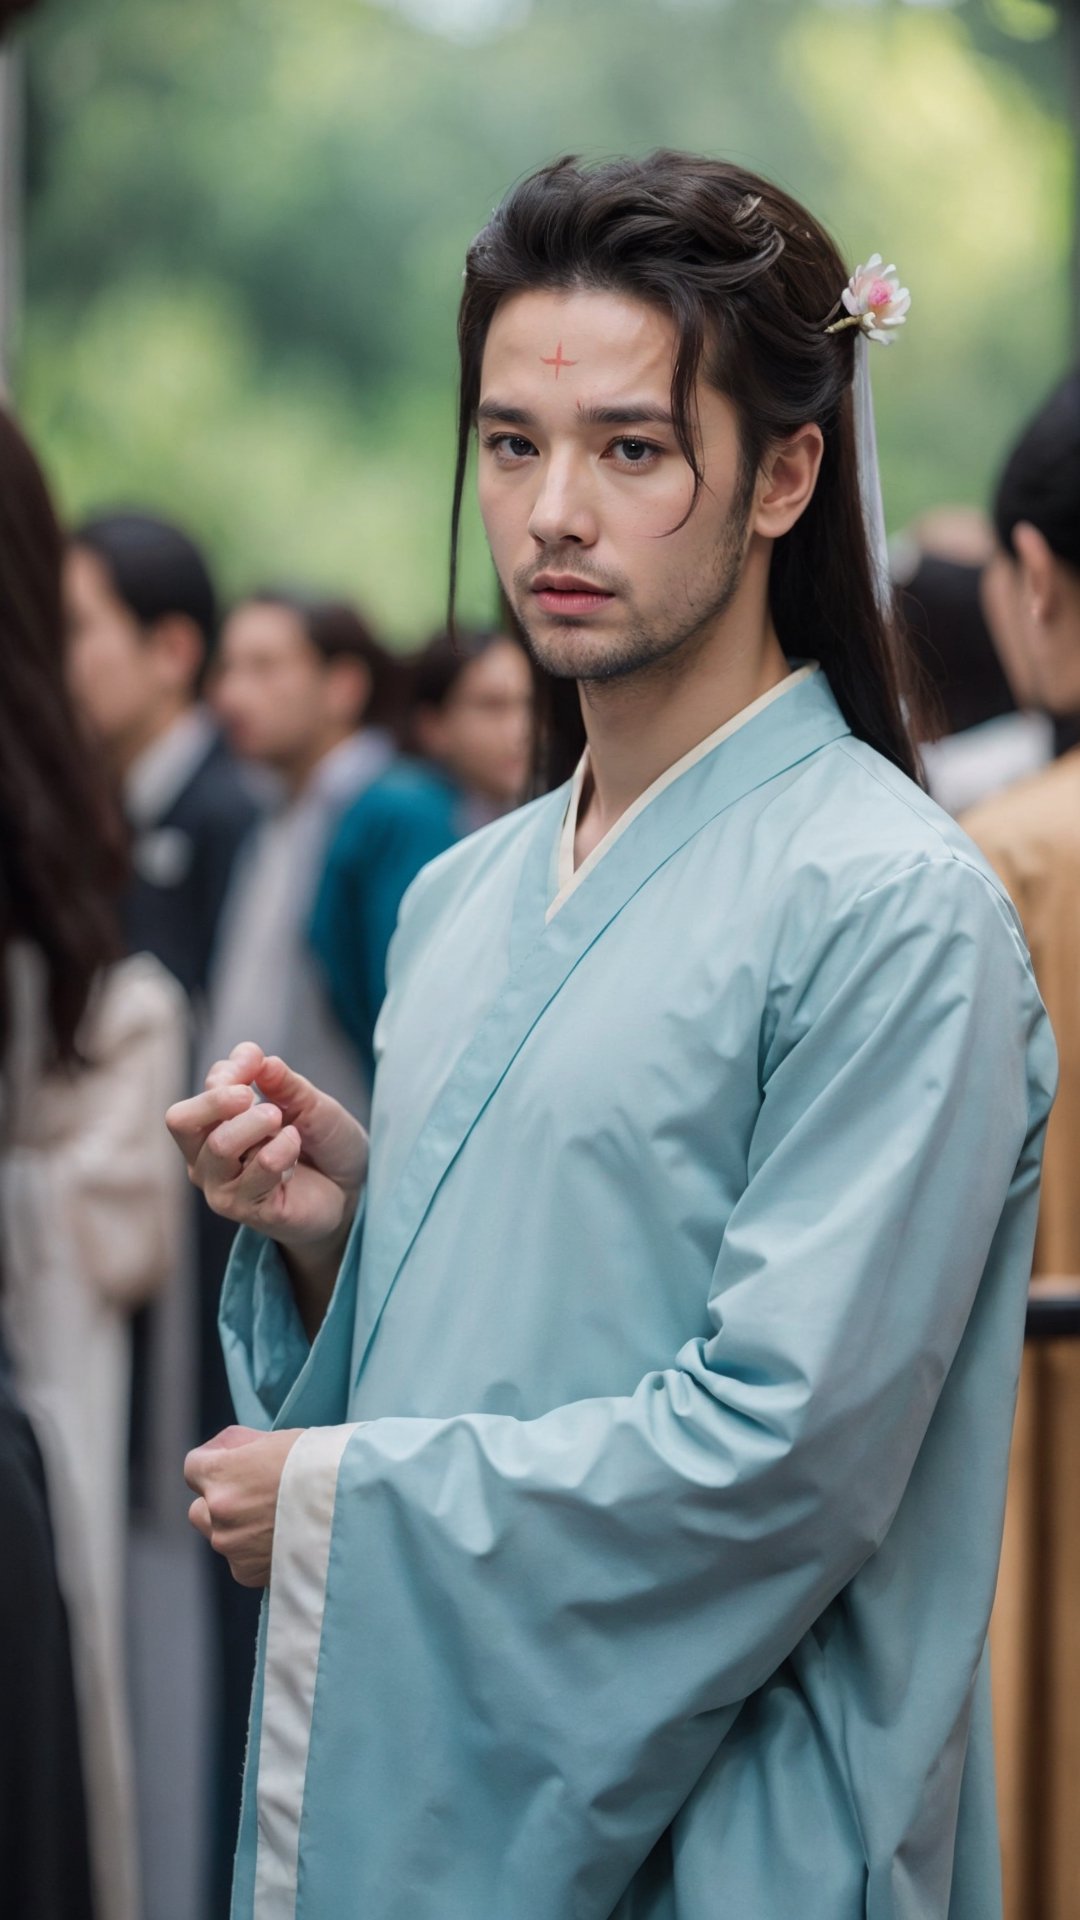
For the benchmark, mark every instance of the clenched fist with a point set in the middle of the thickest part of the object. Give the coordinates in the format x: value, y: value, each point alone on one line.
x: 290, y: 1164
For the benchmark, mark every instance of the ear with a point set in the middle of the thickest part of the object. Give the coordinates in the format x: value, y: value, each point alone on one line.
x: 348, y: 688
x: 180, y: 649
x: 787, y: 480
x: 1038, y: 571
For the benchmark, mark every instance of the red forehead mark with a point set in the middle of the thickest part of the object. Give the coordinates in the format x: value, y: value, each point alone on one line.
x: 557, y: 360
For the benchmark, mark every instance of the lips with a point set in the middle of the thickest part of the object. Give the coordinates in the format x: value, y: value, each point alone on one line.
x: 567, y: 593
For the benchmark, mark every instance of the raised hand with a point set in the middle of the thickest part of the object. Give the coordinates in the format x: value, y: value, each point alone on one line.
x: 291, y: 1164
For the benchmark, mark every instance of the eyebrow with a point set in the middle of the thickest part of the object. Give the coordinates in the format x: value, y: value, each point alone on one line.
x: 624, y: 414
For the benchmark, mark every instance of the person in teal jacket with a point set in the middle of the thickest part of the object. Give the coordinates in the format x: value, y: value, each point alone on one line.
x: 625, y: 1425
x: 470, y: 706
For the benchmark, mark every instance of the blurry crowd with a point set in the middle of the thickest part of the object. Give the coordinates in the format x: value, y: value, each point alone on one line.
x: 208, y: 818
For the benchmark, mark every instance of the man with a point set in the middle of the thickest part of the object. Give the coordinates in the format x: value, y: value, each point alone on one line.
x: 299, y: 678
x: 142, y: 628
x: 642, y: 1407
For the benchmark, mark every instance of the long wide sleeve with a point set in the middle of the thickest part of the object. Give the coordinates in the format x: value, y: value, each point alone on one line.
x: 536, y: 1634
x: 277, y: 1377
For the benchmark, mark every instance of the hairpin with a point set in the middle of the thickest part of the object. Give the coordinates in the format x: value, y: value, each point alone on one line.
x: 875, y: 300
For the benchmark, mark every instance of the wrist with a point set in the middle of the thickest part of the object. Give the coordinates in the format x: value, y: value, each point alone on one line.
x: 313, y: 1270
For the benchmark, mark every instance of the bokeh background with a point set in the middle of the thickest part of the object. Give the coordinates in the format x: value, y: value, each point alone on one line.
x: 244, y: 221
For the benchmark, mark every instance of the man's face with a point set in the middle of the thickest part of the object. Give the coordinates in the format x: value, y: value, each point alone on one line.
x: 271, y: 687
x: 114, y: 669
x: 583, y: 487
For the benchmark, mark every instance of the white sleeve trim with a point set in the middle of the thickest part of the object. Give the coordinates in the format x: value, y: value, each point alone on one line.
x: 299, y: 1567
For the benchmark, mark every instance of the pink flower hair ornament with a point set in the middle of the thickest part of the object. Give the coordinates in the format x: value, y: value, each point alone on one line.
x: 875, y: 302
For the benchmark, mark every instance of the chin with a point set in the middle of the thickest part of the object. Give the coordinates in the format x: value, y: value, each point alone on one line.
x: 575, y: 653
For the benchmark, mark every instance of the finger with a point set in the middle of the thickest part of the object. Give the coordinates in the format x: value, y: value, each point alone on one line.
x: 273, y: 1165
x: 199, y: 1467
x: 249, y: 1575
x: 226, y: 1149
x: 242, y: 1065
x: 199, y: 1515
x: 277, y: 1081
x: 191, y: 1121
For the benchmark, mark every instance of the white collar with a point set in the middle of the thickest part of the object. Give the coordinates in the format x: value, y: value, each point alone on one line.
x: 569, y: 877
x: 158, y: 775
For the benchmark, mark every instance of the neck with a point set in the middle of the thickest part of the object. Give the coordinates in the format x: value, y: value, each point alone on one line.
x: 640, y: 726
x: 123, y: 753
x: 297, y: 772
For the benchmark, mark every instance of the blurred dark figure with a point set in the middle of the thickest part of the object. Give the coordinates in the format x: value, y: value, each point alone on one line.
x: 59, y: 867
x: 1031, y: 832
x: 1031, y: 835
x: 469, y: 730
x: 990, y: 737
x: 302, y: 689
x: 938, y: 565
x: 142, y: 628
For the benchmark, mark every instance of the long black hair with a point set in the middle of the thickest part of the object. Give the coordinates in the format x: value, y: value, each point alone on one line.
x: 751, y: 281
x: 61, y: 840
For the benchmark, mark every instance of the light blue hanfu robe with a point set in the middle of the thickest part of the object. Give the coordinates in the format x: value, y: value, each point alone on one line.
x: 639, y: 1556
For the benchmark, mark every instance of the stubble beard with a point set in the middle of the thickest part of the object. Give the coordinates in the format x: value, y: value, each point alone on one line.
x: 664, y: 646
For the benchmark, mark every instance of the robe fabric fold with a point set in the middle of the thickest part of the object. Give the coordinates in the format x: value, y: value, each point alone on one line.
x: 638, y: 1558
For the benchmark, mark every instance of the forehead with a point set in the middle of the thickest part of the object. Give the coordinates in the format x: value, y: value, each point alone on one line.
x: 87, y: 578
x: 589, y: 346
x: 263, y: 628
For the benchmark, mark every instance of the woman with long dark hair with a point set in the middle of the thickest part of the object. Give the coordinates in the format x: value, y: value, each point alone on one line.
x: 59, y: 866
x: 88, y: 1043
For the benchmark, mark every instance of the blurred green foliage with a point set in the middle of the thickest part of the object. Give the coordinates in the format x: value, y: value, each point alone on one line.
x: 246, y: 224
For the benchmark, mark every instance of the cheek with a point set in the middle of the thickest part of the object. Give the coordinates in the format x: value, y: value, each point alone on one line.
x: 109, y: 679
x: 505, y: 507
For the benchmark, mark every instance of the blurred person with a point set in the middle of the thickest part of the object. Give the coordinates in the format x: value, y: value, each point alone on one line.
x: 469, y: 723
x: 1031, y: 835
x: 988, y: 737
x: 142, y: 631
x: 89, y: 1216
x: 1031, y: 832
x: 300, y: 690
x: 638, y: 1410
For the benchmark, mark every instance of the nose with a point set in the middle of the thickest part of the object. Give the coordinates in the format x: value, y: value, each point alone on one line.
x: 563, y: 509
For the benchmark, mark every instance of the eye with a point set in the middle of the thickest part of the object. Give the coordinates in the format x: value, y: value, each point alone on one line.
x: 636, y: 453
x: 510, y: 447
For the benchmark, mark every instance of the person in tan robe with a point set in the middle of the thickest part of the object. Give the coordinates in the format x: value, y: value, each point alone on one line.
x: 1031, y: 835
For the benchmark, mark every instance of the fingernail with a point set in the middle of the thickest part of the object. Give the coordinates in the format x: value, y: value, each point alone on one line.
x: 287, y: 1176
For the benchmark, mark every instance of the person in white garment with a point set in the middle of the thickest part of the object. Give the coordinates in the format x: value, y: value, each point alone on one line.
x: 300, y: 689
x: 623, y: 1430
